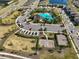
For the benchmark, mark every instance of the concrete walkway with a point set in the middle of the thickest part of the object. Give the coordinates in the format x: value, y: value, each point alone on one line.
x: 46, y: 37
x: 13, y: 55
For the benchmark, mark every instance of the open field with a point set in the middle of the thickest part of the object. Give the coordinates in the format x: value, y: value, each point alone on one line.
x: 19, y: 44
x: 67, y: 53
x: 5, y: 29
x: 11, y: 18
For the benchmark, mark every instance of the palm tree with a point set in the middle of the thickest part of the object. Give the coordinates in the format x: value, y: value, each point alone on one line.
x: 45, y: 29
x: 40, y: 29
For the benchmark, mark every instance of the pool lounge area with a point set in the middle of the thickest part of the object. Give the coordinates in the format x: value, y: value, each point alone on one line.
x: 47, y: 16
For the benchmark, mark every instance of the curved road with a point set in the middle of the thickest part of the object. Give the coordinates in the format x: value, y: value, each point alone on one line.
x: 22, y: 23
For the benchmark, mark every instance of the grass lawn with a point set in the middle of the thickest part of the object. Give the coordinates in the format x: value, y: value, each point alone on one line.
x: 78, y: 9
x: 50, y: 35
x: 19, y: 44
x: 65, y: 54
x: 70, y: 54
x: 5, y: 29
x: 11, y: 19
x: 56, y: 11
x: 77, y: 27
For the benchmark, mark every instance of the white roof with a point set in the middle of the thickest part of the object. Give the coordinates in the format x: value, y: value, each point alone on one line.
x: 62, y: 40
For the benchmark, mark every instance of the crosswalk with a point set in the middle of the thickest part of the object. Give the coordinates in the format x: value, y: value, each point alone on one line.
x: 27, y: 32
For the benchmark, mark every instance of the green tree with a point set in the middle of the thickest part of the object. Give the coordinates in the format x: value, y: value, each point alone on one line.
x: 37, y: 44
x: 0, y: 21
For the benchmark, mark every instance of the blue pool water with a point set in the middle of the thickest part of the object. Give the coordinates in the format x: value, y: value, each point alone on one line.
x: 47, y: 16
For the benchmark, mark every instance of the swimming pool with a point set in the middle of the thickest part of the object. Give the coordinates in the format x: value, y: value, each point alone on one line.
x: 47, y: 16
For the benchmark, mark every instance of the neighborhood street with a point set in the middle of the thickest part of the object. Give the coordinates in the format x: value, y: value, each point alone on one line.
x: 72, y: 32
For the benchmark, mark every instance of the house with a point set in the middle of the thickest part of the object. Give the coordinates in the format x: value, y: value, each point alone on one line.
x: 47, y: 43
x: 76, y: 3
x: 62, y: 40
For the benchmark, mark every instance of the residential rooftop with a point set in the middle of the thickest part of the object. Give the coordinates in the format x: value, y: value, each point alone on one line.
x: 47, y: 44
x: 62, y: 40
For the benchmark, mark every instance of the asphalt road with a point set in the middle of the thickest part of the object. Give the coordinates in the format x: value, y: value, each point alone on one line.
x: 72, y: 32
x: 12, y: 7
x: 12, y: 55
